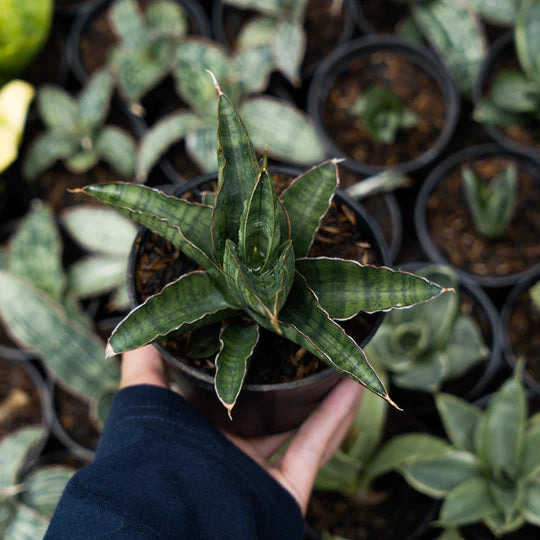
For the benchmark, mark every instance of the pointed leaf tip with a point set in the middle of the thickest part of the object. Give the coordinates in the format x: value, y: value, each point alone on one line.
x: 76, y: 190
x: 109, y: 351
x: 216, y: 84
x: 336, y: 161
x: 389, y: 400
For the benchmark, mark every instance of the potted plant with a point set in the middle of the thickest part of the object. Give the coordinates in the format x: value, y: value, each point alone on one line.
x: 251, y: 284
x: 383, y: 102
x: 507, y: 94
x: 477, y: 212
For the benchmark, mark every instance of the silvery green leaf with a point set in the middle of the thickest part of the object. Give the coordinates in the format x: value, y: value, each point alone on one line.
x: 256, y: 32
x: 426, y: 374
x: 127, y: 21
x: 288, y: 48
x: 270, y: 7
x: 120, y: 299
x: 496, y: 11
x: 82, y: 161
x: 527, y: 38
x: 531, y: 504
x: 511, y: 90
x: 58, y: 110
x: 166, y: 19
x: 382, y: 182
x: 118, y: 149
x: 341, y: 472
x: 26, y: 524
x: 96, y: 275
x: 508, y: 497
x: 529, y: 466
x: 486, y: 112
x: 499, y: 524
x: 201, y: 145
x: 94, y: 100
x: 252, y: 68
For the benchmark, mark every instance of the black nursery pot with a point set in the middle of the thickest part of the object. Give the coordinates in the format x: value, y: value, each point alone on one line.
x: 261, y: 409
x: 344, y: 57
x: 440, y: 174
x: 502, y: 49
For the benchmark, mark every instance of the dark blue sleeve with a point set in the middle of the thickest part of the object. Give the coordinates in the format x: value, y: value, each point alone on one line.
x: 162, y: 471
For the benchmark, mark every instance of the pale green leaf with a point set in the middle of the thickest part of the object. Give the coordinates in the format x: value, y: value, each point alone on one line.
x: 530, y: 460
x: 127, y: 21
x: 94, y: 100
x: 497, y: 11
x: 166, y: 19
x: 512, y: 90
x: 252, y: 68
x: 118, y: 149
x: 508, y: 497
x: 531, y: 504
x: 96, y: 275
x: 527, y: 38
x: 274, y: 8
x: 426, y: 373
x: 58, y: 110
x: 486, y: 112
x: 257, y: 32
x: 289, y: 47
x: 82, y: 161
x: 26, y: 525
x: 201, y: 144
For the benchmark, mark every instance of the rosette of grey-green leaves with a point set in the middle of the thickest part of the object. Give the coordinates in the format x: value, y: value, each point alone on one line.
x: 144, y: 55
x: 289, y: 134
x: 27, y: 498
x: 491, y: 204
x: 426, y: 345
x: 76, y: 132
x: 40, y: 314
x: 514, y: 95
x: 252, y: 247
x: 489, y: 469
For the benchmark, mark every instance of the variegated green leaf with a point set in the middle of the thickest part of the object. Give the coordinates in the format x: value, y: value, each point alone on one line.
x: 26, y: 524
x: 455, y: 32
x: 166, y: 19
x: 408, y: 29
x: 100, y: 230
x: 204, y: 342
x: 270, y: 7
x: 181, y: 305
x: 35, y: 252
x: 499, y: 525
x: 127, y: 22
x: 469, y: 502
x: 289, y: 46
x: 529, y: 466
x: 438, y: 476
x: 531, y: 503
x: 508, y: 497
x: 527, y: 38
x: 118, y: 149
x: 57, y: 109
x: 82, y: 161
x: 232, y: 362
x: 257, y: 32
x: 44, y: 486
x: 201, y: 146
x: 344, y: 287
x: 14, y: 449
x: 341, y: 472
x: 306, y: 201
x: 511, y: 90
x: 94, y: 100
x: 385, y: 181
x: 496, y: 11
x: 75, y: 312
x: 486, y: 112
x: 101, y: 406
x: 288, y: 133
x: 426, y: 374
x: 252, y: 68
x: 69, y: 350
x: 96, y: 275
x: 168, y: 131
x: 46, y: 150
x: 459, y: 419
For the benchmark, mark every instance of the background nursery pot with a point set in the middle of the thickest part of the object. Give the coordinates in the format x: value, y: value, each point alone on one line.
x: 526, y: 212
x: 421, y: 61
x: 261, y: 408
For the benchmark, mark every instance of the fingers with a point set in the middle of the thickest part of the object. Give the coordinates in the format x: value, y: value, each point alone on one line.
x: 261, y: 449
x: 142, y: 366
x: 318, y: 438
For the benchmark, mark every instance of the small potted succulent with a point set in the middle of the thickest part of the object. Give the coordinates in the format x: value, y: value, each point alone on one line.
x: 477, y: 212
x: 507, y: 94
x: 255, y: 277
x: 488, y: 472
x: 383, y: 102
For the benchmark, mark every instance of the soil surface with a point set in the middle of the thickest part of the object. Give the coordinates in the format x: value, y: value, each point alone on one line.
x: 416, y: 91
x: 452, y: 229
x: 159, y: 263
x: 524, y: 336
x: 20, y: 404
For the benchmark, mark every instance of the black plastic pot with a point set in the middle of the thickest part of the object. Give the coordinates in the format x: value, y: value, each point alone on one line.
x: 506, y: 313
x: 439, y: 174
x: 69, y: 9
x: 339, y: 62
x: 261, y: 408
x: 218, y: 29
x: 95, y: 8
x: 503, y: 47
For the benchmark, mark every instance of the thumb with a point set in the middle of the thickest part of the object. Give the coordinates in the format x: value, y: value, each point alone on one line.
x: 142, y: 366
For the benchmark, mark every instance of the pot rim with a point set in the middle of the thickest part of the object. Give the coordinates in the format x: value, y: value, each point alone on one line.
x: 439, y: 174
x: 339, y: 61
x: 206, y: 380
x: 501, y: 43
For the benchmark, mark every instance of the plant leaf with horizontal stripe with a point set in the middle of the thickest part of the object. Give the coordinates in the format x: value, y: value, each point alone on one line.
x: 26, y: 524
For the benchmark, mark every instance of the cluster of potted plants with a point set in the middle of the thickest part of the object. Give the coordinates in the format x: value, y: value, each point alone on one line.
x: 293, y: 255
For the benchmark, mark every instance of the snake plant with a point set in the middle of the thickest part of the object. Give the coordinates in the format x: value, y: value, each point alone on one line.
x: 76, y: 133
x: 492, y: 205
x: 253, y: 249
x: 430, y: 343
x: 514, y: 94
x: 291, y: 137
x: 27, y: 498
x: 382, y: 113
x: 145, y: 52
x: 488, y: 470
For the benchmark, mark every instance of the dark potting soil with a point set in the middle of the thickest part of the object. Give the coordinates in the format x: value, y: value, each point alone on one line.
x: 74, y: 416
x: 384, y: 15
x: 275, y: 359
x: 481, y: 532
x: 452, y: 228
x: 323, y: 24
x: 415, y: 89
x: 20, y: 404
x: 524, y: 336
x: 98, y: 38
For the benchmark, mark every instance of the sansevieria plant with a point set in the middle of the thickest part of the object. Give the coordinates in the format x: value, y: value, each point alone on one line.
x: 252, y: 248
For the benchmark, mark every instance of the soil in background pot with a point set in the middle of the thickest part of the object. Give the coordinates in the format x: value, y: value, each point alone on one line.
x: 452, y: 228
x: 20, y: 403
x: 160, y: 263
x: 416, y: 91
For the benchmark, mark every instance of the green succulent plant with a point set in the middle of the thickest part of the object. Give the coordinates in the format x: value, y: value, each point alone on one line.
x: 252, y: 247
x: 492, y: 205
x: 27, y: 498
x: 534, y: 291
x: 514, y: 95
x: 489, y: 470
x: 383, y: 182
x: 146, y: 49
x: 39, y: 312
x: 383, y: 114
x: 432, y: 342
x: 287, y: 131
x: 76, y: 133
